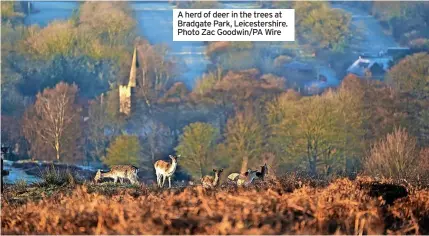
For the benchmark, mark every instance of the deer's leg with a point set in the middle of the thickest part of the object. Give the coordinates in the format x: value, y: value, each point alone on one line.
x: 169, y: 182
x: 159, y: 180
x: 134, y: 180
x: 163, y: 180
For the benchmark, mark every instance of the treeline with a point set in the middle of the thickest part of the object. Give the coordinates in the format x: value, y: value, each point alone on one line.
x: 63, y: 81
x: 408, y: 22
x: 322, y: 33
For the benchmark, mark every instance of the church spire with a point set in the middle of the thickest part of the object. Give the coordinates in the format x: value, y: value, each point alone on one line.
x: 133, y: 71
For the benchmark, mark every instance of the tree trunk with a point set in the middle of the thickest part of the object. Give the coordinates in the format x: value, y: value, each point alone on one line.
x: 313, y: 169
x: 244, y: 164
x: 57, y: 150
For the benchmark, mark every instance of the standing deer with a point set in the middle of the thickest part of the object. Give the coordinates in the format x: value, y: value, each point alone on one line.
x: 210, y: 181
x: 264, y: 171
x: 164, y: 170
x: 119, y: 172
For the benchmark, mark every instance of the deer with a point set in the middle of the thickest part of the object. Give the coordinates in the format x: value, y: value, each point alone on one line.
x: 243, y: 179
x: 250, y: 175
x: 165, y: 170
x: 210, y: 181
x: 264, y: 171
x: 120, y: 172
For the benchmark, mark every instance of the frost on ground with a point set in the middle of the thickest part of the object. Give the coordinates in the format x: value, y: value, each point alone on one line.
x: 283, y: 206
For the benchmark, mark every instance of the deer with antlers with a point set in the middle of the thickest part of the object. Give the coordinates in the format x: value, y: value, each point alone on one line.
x: 165, y: 170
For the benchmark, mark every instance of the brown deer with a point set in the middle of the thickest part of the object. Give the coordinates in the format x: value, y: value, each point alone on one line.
x: 120, y: 172
x: 164, y: 170
x: 210, y: 181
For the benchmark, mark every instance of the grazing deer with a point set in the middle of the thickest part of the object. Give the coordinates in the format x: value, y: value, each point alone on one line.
x: 119, y: 172
x: 210, y: 181
x: 235, y: 176
x: 164, y: 170
x: 250, y: 175
x: 264, y: 171
x: 243, y: 179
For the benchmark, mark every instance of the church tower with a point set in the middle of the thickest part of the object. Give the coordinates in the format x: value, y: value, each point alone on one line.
x: 127, y: 89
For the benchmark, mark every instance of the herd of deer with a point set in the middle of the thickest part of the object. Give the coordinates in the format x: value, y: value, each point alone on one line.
x: 164, y: 169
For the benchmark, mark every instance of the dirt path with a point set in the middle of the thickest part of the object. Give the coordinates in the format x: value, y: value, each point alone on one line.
x: 368, y: 35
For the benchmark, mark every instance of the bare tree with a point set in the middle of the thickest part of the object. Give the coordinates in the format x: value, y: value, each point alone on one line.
x: 395, y: 156
x: 53, y: 122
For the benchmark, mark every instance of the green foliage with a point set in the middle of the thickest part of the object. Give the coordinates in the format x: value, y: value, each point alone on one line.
x: 206, y: 83
x: 196, y: 146
x: 99, y: 30
x: 8, y: 11
x: 319, y: 131
x: 58, y: 38
x: 321, y: 25
x: 124, y: 150
x: 111, y: 22
x: 328, y: 28
x: 411, y: 77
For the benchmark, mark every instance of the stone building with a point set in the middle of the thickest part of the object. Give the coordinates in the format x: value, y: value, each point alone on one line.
x: 128, y: 87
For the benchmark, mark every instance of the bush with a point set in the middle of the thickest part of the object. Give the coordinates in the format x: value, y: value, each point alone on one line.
x: 52, y: 176
x: 396, y: 156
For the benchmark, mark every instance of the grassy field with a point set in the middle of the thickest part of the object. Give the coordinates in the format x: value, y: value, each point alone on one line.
x: 286, y: 205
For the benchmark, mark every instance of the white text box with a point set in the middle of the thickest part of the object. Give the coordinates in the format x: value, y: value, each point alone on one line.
x: 233, y: 25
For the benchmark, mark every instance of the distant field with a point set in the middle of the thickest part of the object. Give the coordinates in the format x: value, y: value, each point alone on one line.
x: 284, y: 206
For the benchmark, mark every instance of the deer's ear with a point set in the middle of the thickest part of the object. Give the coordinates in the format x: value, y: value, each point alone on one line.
x: 221, y: 170
x: 214, y: 170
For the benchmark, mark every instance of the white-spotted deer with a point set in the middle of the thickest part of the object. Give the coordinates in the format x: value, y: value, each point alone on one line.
x: 243, y: 179
x: 120, y: 172
x: 210, y: 181
x: 164, y: 170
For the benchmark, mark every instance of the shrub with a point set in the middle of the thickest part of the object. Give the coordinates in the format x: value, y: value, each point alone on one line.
x: 396, y: 156
x: 53, y: 176
x: 20, y: 185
